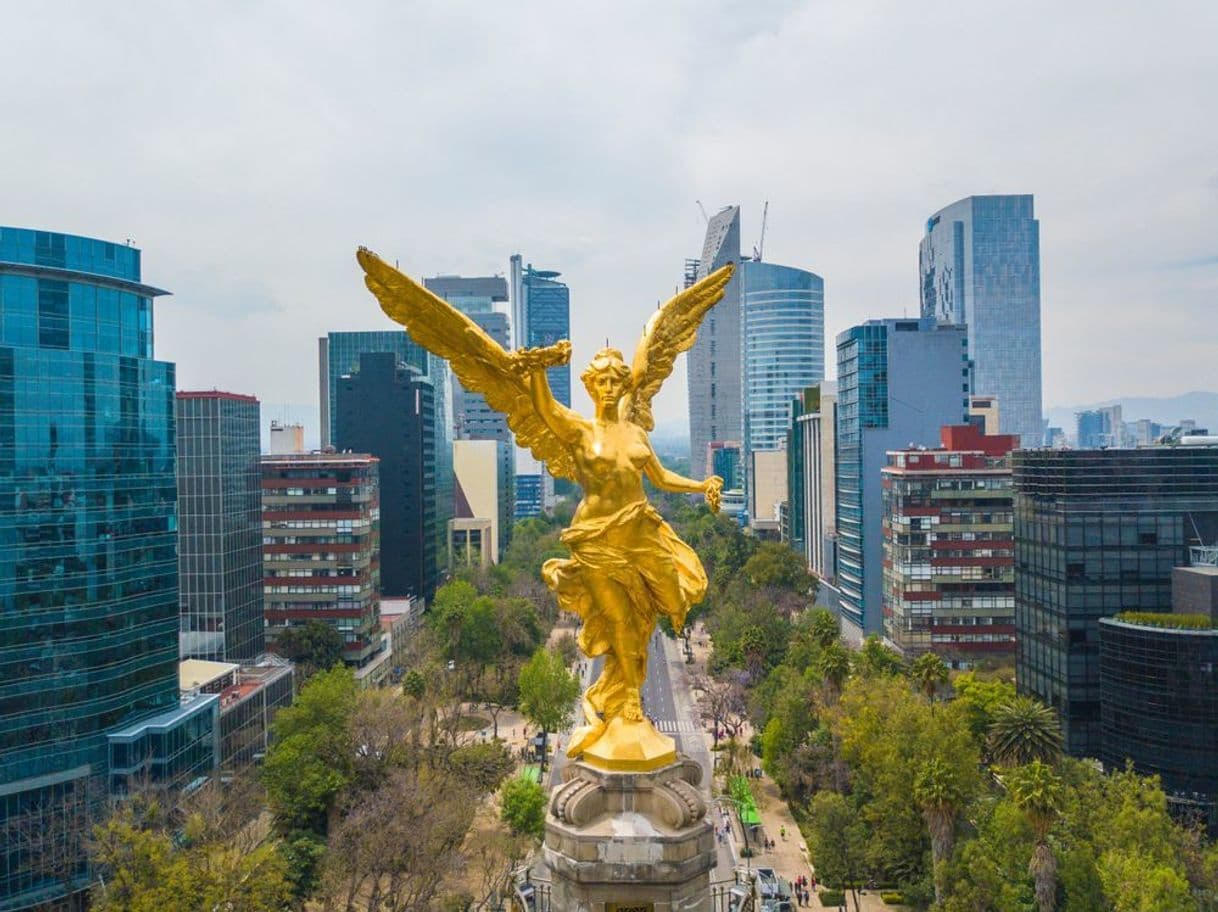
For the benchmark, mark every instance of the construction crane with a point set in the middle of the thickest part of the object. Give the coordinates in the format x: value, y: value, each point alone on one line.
x: 757, y: 251
x: 702, y: 209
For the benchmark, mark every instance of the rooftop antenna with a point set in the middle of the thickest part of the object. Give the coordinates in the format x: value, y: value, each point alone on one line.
x: 757, y: 251
x: 702, y: 209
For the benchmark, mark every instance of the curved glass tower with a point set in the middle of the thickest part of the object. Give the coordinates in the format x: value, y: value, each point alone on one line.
x: 783, y: 346
x: 88, y: 563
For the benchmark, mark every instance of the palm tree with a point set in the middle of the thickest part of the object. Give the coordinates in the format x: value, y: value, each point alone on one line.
x: 825, y: 627
x: 937, y: 791
x: 834, y: 667
x: 928, y: 673
x: 1024, y: 730
x: 1037, y: 791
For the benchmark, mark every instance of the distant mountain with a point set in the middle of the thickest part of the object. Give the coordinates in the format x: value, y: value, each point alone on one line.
x: 1199, y: 405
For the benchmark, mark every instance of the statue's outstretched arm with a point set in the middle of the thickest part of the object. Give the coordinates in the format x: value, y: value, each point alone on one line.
x: 667, y: 480
x: 562, y: 421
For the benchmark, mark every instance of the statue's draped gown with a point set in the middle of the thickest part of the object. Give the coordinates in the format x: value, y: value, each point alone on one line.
x: 660, y: 574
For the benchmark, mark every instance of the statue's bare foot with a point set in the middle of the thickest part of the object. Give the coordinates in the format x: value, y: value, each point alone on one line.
x: 632, y: 710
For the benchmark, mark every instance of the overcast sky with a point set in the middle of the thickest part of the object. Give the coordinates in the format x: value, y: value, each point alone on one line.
x: 249, y: 147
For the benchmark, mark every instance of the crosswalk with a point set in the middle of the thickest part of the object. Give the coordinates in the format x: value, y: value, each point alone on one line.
x: 670, y: 726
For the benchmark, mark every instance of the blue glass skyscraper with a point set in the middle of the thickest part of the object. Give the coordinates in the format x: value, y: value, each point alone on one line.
x: 783, y: 342
x: 898, y: 382
x: 980, y: 266
x: 88, y: 536
x: 541, y: 315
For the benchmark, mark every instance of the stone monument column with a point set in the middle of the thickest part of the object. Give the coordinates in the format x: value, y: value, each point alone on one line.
x: 629, y: 841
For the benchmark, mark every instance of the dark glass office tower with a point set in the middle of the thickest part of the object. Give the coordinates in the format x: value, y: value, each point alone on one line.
x: 1098, y: 532
x: 220, y: 526
x: 1159, y: 707
x: 385, y: 409
x: 88, y: 535
x: 339, y: 354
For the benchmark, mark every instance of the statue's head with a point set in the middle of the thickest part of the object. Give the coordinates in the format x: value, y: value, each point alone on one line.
x: 607, y: 378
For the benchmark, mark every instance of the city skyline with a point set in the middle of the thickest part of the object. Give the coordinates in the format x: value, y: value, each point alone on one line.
x: 252, y: 177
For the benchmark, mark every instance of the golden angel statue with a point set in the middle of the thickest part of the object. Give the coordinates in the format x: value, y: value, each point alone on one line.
x: 627, y: 566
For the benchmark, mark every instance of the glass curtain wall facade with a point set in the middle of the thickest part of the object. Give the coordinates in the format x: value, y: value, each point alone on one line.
x: 88, y: 536
x: 1159, y: 708
x: 980, y: 266
x: 542, y: 311
x: 339, y: 356
x: 715, y: 360
x: 385, y: 409
x: 783, y: 347
x: 899, y: 381
x: 811, y: 463
x: 1098, y: 532
x: 220, y: 526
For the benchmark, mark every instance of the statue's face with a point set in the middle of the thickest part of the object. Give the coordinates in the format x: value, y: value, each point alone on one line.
x: 607, y: 386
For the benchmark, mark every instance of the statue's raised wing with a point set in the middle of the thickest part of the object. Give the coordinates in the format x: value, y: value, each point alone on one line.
x: 479, y: 362
x: 671, y: 330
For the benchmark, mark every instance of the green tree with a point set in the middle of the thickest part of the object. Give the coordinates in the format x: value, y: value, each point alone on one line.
x: 837, y: 839
x: 888, y: 736
x: 520, y: 626
x: 834, y: 668
x: 533, y: 542
x: 146, y: 866
x: 1024, y: 730
x: 826, y: 628
x: 938, y: 792
x: 875, y: 659
x: 548, y: 692
x: 990, y: 871
x: 929, y: 673
x: 414, y: 684
x: 1037, y: 791
x: 311, y: 758
x: 776, y: 565
x: 314, y: 647
x: 465, y: 623
x: 523, y: 806
x: 791, y: 717
x: 979, y: 698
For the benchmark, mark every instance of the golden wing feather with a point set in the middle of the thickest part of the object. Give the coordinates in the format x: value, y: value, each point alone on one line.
x: 671, y: 330
x: 479, y: 362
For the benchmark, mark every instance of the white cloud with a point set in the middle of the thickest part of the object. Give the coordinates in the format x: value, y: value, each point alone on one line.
x: 248, y: 148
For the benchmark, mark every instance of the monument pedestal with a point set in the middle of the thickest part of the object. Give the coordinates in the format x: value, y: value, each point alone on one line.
x: 629, y: 841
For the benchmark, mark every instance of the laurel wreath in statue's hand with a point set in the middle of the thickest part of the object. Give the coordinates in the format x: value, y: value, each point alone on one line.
x: 526, y: 361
